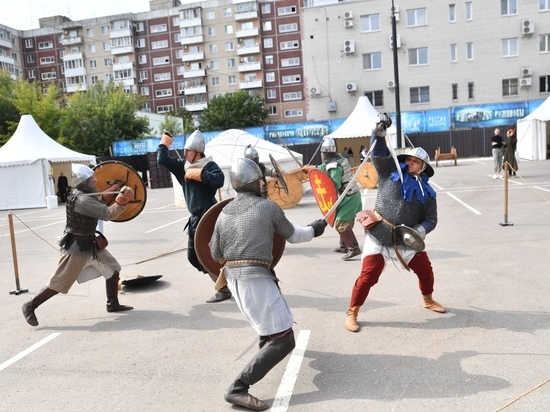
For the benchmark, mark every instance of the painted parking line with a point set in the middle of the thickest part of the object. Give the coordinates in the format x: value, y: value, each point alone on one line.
x: 466, y: 205
x: 21, y: 355
x: 284, y: 393
x: 168, y: 224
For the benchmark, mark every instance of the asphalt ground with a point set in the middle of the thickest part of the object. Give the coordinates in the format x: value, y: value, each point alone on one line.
x: 174, y: 352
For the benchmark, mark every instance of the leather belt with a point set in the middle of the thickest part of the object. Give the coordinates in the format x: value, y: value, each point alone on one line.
x: 405, y: 265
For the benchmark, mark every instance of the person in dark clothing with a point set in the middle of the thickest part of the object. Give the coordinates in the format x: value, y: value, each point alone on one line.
x: 497, y: 144
x: 510, y: 152
x: 62, y: 187
x: 200, y: 177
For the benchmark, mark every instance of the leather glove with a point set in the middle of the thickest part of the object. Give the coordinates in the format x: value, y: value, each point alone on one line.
x: 421, y: 230
x: 126, y: 194
x: 193, y: 174
x: 166, y: 139
x: 318, y: 226
x: 106, y: 197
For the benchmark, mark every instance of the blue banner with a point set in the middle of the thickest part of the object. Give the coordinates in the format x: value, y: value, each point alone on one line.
x: 488, y: 115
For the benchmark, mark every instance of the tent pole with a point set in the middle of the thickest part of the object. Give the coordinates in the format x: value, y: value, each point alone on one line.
x: 18, y: 290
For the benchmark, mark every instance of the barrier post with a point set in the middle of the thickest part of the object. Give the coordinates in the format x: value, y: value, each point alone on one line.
x: 18, y: 290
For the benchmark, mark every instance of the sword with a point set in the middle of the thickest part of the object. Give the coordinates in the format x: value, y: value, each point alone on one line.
x: 318, y: 147
x: 348, y: 186
x: 288, y: 150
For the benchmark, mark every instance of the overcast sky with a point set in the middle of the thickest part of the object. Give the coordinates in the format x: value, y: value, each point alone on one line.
x: 24, y: 14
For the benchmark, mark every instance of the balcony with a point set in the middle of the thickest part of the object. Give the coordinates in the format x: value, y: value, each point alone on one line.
x: 186, y: 41
x: 72, y: 88
x: 194, y: 73
x: 250, y: 84
x: 194, y: 22
x: 249, y: 15
x: 122, y: 50
x: 247, y: 33
x: 250, y: 67
x: 5, y: 43
x: 113, y: 34
x: 242, y: 50
x: 7, y: 60
x: 199, y: 89
x: 123, y: 66
x: 191, y: 57
x: 196, y: 107
x: 72, y: 40
x: 77, y: 71
x: 73, y: 56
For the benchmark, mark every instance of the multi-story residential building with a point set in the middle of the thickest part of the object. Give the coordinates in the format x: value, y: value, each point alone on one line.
x: 309, y: 59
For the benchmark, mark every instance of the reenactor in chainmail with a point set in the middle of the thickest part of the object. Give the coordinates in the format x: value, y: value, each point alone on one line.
x: 80, y: 257
x: 252, y: 154
x: 243, y: 241
x: 404, y: 197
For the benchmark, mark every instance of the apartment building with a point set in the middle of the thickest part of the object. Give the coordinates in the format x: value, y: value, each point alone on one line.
x: 309, y: 59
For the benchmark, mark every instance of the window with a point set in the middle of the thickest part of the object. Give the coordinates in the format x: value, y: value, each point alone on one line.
x: 294, y: 113
x: 213, y: 65
x: 266, y: 8
x: 372, y: 61
x: 470, y: 90
x: 105, y: 29
x: 215, y: 81
x: 269, y: 59
x: 286, y: 45
x: 157, y: 61
x: 418, y: 57
x: 544, y: 84
x: 140, y: 43
x: 470, y: 51
x: 91, y: 48
x: 269, y: 77
x: 229, y: 46
x: 108, y: 62
x: 210, y: 14
x: 452, y: 13
x: 294, y: 78
x: 288, y: 28
x: 267, y: 26
x: 144, y: 91
x: 376, y: 97
x: 30, y: 58
x: 508, y: 7
x: 140, y: 26
x: 93, y: 64
x: 292, y: 96
x: 370, y: 22
x: 228, y: 29
x: 32, y: 74
x: 454, y: 91
x: 161, y: 44
x: 106, y: 46
x: 165, y: 108
x: 227, y: 12
x: 45, y: 45
x: 454, y: 53
x: 94, y: 79
x: 159, y: 77
x: 469, y: 11
x: 509, y: 47
x: 163, y: 92
x: 295, y: 61
x: 48, y: 76
x: 268, y: 43
x: 283, y: 11
x: 109, y: 78
x: 158, y: 28
x: 416, y: 17
x: 230, y: 63
x: 90, y: 32
x: 419, y: 94
x: 544, y: 43
x: 142, y: 58
x: 271, y: 93
x: 232, y: 79
x: 544, y: 5
x: 143, y: 75
x: 28, y: 43
x: 213, y: 48
x: 510, y: 87
x: 211, y: 31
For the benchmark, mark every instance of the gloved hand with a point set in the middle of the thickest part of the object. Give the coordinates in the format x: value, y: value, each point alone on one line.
x: 193, y: 174
x: 318, y: 226
x: 126, y: 194
x: 166, y: 139
x: 106, y: 197
x: 421, y: 230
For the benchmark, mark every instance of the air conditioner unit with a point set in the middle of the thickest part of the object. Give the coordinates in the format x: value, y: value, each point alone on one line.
x: 526, y: 71
x: 348, y: 23
x: 315, y: 91
x: 185, y: 46
x: 525, y: 82
x: 349, y: 46
x: 348, y: 15
x: 528, y: 26
x: 351, y: 87
x: 390, y: 84
x: 140, y: 80
x: 187, y: 63
x: 241, y: 60
x: 240, y: 40
x: 397, y: 43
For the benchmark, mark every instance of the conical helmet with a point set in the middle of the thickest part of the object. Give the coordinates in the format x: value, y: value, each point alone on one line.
x: 195, y: 142
x: 328, y: 146
x: 251, y: 153
x: 421, y: 154
x: 80, y: 173
x: 244, y: 172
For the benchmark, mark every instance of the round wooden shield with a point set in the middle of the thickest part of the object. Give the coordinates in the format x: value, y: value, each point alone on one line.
x: 277, y: 194
x: 204, y: 232
x: 368, y: 177
x: 112, y: 171
x: 325, y: 193
x: 279, y: 173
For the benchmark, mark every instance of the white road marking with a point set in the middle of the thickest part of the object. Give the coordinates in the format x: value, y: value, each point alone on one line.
x: 168, y: 224
x: 21, y: 355
x: 541, y: 188
x: 284, y: 393
x: 467, y: 206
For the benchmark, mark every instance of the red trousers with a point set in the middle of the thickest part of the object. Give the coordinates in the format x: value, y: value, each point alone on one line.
x: 372, y: 267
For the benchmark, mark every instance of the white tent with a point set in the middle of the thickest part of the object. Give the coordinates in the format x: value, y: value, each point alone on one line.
x: 26, y: 179
x: 228, y: 146
x: 533, y: 132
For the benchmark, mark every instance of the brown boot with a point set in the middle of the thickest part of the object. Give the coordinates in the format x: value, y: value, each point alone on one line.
x: 351, y: 319
x: 111, y: 287
x: 221, y: 295
x: 352, y: 252
x: 29, y: 307
x: 431, y: 304
x: 341, y: 249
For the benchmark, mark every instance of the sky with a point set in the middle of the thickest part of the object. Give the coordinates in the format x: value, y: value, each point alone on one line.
x: 24, y: 14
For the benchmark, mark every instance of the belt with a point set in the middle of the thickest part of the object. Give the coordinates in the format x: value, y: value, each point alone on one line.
x: 405, y: 265
x: 247, y: 262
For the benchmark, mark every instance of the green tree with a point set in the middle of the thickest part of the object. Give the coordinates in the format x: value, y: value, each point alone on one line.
x: 105, y: 113
x: 234, y: 112
x: 172, y: 124
x: 9, y: 116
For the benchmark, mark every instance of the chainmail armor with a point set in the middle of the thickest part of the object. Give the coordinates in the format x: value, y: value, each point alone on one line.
x: 391, y: 205
x: 244, y: 231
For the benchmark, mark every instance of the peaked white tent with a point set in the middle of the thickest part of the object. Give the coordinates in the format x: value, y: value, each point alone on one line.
x: 229, y: 145
x: 533, y: 132
x: 26, y: 178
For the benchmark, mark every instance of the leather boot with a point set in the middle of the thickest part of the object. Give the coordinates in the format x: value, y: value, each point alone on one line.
x: 221, y: 295
x: 266, y: 359
x: 111, y: 287
x: 431, y: 304
x: 351, y: 319
x: 342, y: 248
x: 29, y: 307
x: 351, y: 243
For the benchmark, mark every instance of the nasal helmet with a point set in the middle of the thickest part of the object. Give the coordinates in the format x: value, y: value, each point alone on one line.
x: 195, y: 142
x: 328, y: 146
x: 245, y: 175
x: 80, y: 173
x: 251, y: 153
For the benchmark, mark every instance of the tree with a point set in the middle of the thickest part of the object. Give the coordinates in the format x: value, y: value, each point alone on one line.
x: 172, y: 124
x: 105, y: 113
x: 9, y: 116
x: 234, y: 112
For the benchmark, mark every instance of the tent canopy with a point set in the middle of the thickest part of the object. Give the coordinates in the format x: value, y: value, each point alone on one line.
x: 229, y: 145
x: 532, y: 132
x: 359, y: 123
